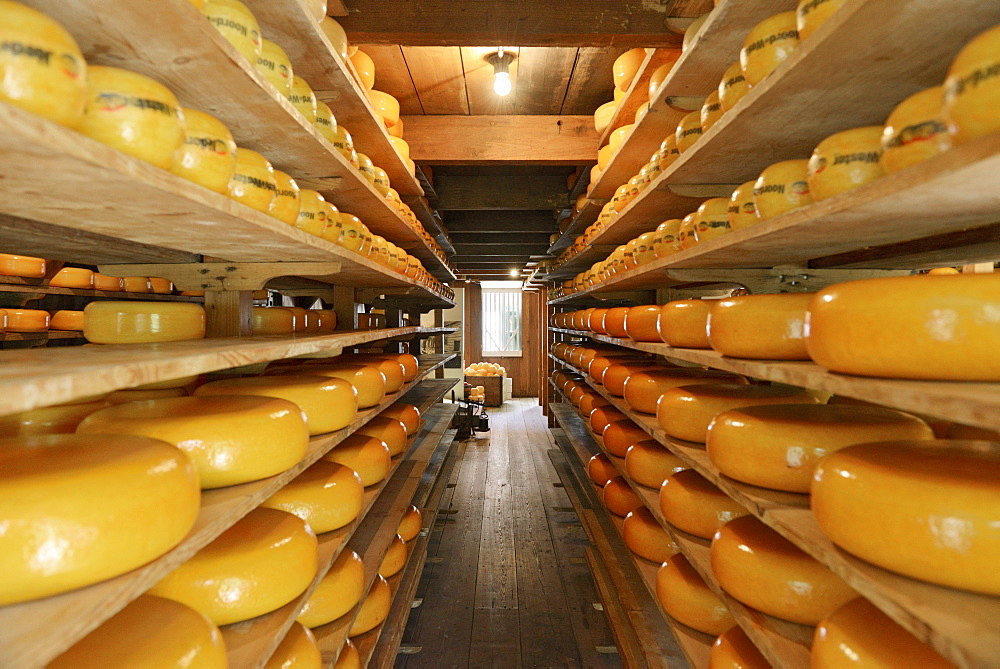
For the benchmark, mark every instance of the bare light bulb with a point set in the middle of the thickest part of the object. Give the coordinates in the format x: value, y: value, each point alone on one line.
x: 501, y: 83
x: 514, y: 273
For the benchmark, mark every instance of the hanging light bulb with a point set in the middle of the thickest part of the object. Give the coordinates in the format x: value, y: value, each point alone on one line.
x: 501, y: 83
x: 501, y: 61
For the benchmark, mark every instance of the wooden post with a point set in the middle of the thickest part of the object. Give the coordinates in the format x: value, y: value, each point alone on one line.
x: 228, y: 313
x: 439, y: 341
x: 345, y: 307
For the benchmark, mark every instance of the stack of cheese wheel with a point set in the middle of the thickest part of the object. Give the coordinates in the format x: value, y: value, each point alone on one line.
x: 327, y: 496
x: 691, y: 503
x: 299, y: 648
x: 337, y: 593
x: 684, y: 595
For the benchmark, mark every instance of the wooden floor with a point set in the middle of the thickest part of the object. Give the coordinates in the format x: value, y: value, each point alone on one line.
x: 506, y: 583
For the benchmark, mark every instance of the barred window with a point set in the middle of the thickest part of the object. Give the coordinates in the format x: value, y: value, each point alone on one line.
x: 501, y: 319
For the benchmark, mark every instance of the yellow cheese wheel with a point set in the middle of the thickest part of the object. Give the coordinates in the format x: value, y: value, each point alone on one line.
x: 326, y: 123
x: 375, y: 607
x: 601, y: 417
x: 766, y: 327
x: 411, y: 524
x: 303, y: 98
x: 267, y: 559
x: 314, y: 212
x: 643, y: 388
x: 859, y: 635
x: 688, y: 131
x: 626, y: 66
x: 765, y: 571
x: 336, y: 35
x: 915, y: 327
x: 237, y: 25
x: 768, y: 45
x: 386, y: 106
x: 273, y: 64
x: 136, y: 322
x: 601, y: 363
x: 298, y: 650
x: 661, y: 73
x: 382, y: 182
x: 368, y: 456
x: 733, y: 87
x: 337, y: 593
x: 59, y: 419
x: 600, y: 469
x: 915, y: 131
x: 395, y: 558
x: 711, y: 111
x: 392, y: 370
x: 742, y: 210
x: 367, y: 168
x: 649, y: 464
x: 686, y: 412
x: 231, y: 440
x: 389, y: 430
x: 73, y: 277
x: 781, y: 188
x: 329, y: 404
x: 343, y: 141
x: 287, y: 199
x: 734, y: 650
x: 925, y: 509
x: 365, y: 67
x: 684, y: 323
x: 366, y: 379
x: 811, y: 14
x: 617, y: 375
x: 272, y: 320
x: 619, y: 497
x: 134, y: 114
x: 349, y: 657
x: 604, y: 115
x: 972, y: 89
x: 44, y: 70
x: 161, y: 286
x: 712, y: 219
x: 845, y: 160
x: 621, y: 434
x: 136, y: 395
x: 691, y: 32
x: 640, y: 323
x: 137, y: 284
x: 150, y: 633
x: 684, y: 595
x: 327, y: 496
x: 407, y: 414
x: 327, y: 319
x: 779, y: 446
x: 401, y: 146
x: 670, y: 152
x: 108, y: 283
x: 691, y: 503
x: 208, y: 154
x: 645, y: 537
x: 26, y: 266
x: 253, y: 181
x: 79, y: 509
x: 27, y: 320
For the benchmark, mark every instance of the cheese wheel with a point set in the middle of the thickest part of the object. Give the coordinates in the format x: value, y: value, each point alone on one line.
x: 389, y: 430
x: 253, y: 181
x: 781, y: 188
x: 601, y: 417
x: 375, y: 607
x: 327, y: 319
x: 640, y: 323
x: 366, y: 379
x: 688, y: 131
x: 411, y: 524
x: 136, y: 322
x: 59, y: 419
x: 660, y: 74
x: 577, y: 393
x: 161, y: 286
x: 79, y: 509
x: 711, y: 111
x: 326, y: 123
x: 137, y: 284
x: 237, y: 25
x: 600, y: 469
x: 844, y: 161
x: 272, y: 320
x: 287, y: 199
x: 733, y: 649
x: 760, y: 327
x: 230, y: 440
x: 712, y: 219
x: 410, y: 362
x: 924, y: 509
x: 395, y: 558
x: 349, y: 657
x: 621, y: 434
x: 617, y: 375
x: 915, y: 131
x: 684, y: 595
x: 619, y: 497
x: 643, y: 388
x: 327, y: 496
x: 626, y: 66
x: 179, y: 382
x: 645, y: 537
x: 691, y: 503
x: 135, y: 395
x: 208, y: 155
x: 407, y: 414
x: 27, y: 320
x: 811, y: 14
x: 603, y: 116
x: 108, y: 283
x: 368, y: 456
x: 686, y: 412
x: 303, y: 98
x: 614, y: 322
x: 684, y: 323
x: 392, y: 370
x: 972, y: 89
x: 149, y: 633
x: 298, y: 650
x: 768, y: 45
x: 914, y: 327
x: 73, y: 277
x: 337, y: 593
x: 765, y: 571
x: 692, y: 31
x: 329, y: 404
x: 779, y: 446
x: 649, y: 464
x: 274, y: 65
x: 365, y: 67
x: 733, y: 87
x: 742, y: 210
x: 601, y: 363
x: 859, y: 635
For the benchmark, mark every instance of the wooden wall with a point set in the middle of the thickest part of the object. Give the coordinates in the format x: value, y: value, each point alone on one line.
x: 522, y: 370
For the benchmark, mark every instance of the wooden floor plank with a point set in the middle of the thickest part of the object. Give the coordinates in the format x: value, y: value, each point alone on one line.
x: 496, y: 582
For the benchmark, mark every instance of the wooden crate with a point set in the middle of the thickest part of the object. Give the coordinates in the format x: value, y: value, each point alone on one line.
x: 493, y: 386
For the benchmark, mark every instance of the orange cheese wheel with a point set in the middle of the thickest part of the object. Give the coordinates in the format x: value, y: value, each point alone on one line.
x: 621, y: 434
x: 742, y: 210
x: 972, y: 89
x: 368, y: 380
x: 108, y: 283
x: 686, y: 412
x: 389, y: 430
x: 614, y: 321
x: 601, y: 417
x: 619, y: 497
x: 600, y: 364
x: 649, y: 464
x: 137, y: 284
x: 150, y: 632
x: 27, y: 320
x: 640, y: 323
x: 684, y: 323
x: 779, y: 446
x: 733, y: 649
x: 407, y: 414
x: 596, y: 321
x: 349, y: 657
x: 915, y: 131
x: 411, y: 524
x: 811, y: 14
x: 298, y: 650
x: 600, y: 469
x: 337, y: 593
x: 924, y: 509
x: 764, y: 327
x: 914, y: 327
x: 691, y: 503
x: 859, y: 635
x: 272, y: 320
x: 645, y: 537
x: 395, y: 558
x: 368, y: 456
x: 375, y: 607
x: 845, y: 160
x: 577, y: 393
x: 59, y: 419
x: 618, y: 374
x: 781, y: 188
x: 327, y: 496
x: 392, y: 370
x: 73, y: 277
x: 732, y: 87
x: 67, y: 320
x: 767, y: 45
x: 161, y: 286
x: 684, y: 595
x: 135, y: 322
x: 643, y: 389
x: 765, y: 571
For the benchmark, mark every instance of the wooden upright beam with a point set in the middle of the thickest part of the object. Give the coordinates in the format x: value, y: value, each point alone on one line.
x: 500, y: 140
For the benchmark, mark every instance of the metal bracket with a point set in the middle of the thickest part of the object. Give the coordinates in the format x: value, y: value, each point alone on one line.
x: 778, y: 280
x: 221, y: 276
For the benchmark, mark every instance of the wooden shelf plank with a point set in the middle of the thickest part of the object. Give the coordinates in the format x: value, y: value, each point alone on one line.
x: 382, y: 653
x: 40, y: 336
x: 42, y: 291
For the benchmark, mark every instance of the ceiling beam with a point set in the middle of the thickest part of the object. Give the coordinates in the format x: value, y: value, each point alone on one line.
x: 620, y: 23
x: 504, y: 221
x: 501, y: 140
x: 495, y: 260
x: 501, y: 193
x: 463, y: 240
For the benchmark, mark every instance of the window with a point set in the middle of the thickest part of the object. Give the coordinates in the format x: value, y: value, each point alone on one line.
x: 501, y: 318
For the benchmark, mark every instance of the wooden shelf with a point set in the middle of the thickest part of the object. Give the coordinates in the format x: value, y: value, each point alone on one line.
x: 40, y: 336
x: 33, y: 292
x: 587, y: 215
x: 957, y: 624
x: 381, y: 649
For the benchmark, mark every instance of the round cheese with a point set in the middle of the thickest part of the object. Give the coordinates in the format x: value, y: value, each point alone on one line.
x: 392, y: 370
x: 617, y: 375
x: 253, y: 181
x: 272, y: 320
x: 768, y: 45
x: 73, y: 277
x: 267, y: 559
x: 58, y: 419
x: 27, y: 320
x: 161, y: 286
x: 577, y: 393
x: 742, y: 211
x: 640, y: 323
x: 601, y: 363
x: 274, y: 65
x: 365, y: 67
x: 614, y: 322
x: 600, y: 469
x: 973, y: 88
x: 601, y: 417
x: 326, y: 124
x: 779, y: 446
x: 765, y: 571
x: 732, y: 87
x: 626, y: 66
x: 407, y: 414
x: 395, y: 558
x: 712, y: 219
x: 137, y: 284
x: 603, y: 116
x: 79, y: 509
x: 208, y: 154
x: 150, y: 633
x: 366, y: 379
x: 914, y: 327
x: 411, y: 524
x: 336, y: 35
x: 915, y: 131
x: 287, y: 199
x: 375, y: 607
x: 811, y: 14
x: 337, y: 593
x: 621, y: 434
x: 298, y: 650
x: 329, y: 404
x: 924, y: 509
x: 684, y: 595
x: 136, y: 322
x: 303, y: 98
x: 619, y: 497
x: 349, y: 657
x: 645, y: 537
x: 760, y: 327
x: 660, y: 74
x: 686, y: 412
x: 688, y: 131
x: 327, y: 319
x: 237, y: 25
x: 368, y: 456
x: 691, y: 503
x: 649, y: 464
x: 137, y: 395
x: 230, y: 440
x: 108, y: 283
x: 314, y: 212
x: 734, y: 650
x: 781, y: 188
x: 711, y: 111
x: 327, y: 496
x: 684, y: 323
x: 643, y: 389
x: 389, y: 430
x: 845, y: 160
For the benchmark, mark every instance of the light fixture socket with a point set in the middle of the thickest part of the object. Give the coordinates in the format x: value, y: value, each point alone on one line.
x: 500, y: 63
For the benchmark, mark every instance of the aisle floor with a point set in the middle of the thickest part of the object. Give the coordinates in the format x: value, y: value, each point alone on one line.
x: 506, y: 583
